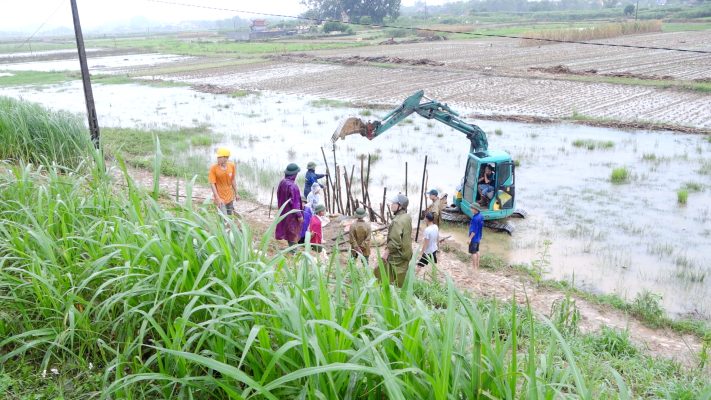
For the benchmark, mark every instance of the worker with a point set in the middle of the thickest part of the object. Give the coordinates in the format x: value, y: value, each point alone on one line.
x: 359, y: 235
x: 222, y: 178
x: 289, y: 199
x: 430, y: 243
x: 398, y: 253
x: 311, y: 177
x: 435, y: 208
x: 315, y: 197
x: 476, y: 228
x: 308, y: 212
x: 486, y: 185
x: 315, y: 227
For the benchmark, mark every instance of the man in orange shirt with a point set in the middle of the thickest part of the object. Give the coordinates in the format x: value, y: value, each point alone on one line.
x: 222, y: 182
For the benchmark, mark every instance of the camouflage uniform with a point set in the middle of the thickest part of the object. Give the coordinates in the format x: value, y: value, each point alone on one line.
x: 360, y: 238
x: 399, y: 247
x: 436, y: 209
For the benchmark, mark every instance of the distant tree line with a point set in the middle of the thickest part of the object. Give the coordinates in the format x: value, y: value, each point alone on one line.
x: 478, y: 6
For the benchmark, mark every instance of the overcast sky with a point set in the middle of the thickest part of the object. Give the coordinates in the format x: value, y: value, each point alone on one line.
x: 29, y: 14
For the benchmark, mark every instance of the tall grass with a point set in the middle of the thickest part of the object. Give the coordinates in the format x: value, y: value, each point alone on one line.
x: 34, y: 134
x: 603, y: 31
x: 172, y: 305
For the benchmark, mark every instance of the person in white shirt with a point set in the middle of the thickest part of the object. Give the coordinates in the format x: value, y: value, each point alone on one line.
x: 314, y: 198
x: 430, y: 243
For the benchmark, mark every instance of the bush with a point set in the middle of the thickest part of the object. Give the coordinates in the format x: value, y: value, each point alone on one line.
x: 620, y: 175
x: 397, y: 32
x: 366, y: 20
x: 616, y: 343
x: 335, y: 26
x: 647, y: 306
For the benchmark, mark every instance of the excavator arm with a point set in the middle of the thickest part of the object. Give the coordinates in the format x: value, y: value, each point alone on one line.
x: 430, y: 109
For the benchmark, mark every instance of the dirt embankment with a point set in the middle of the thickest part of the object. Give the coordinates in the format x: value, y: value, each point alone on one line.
x: 499, y: 284
x: 357, y: 60
x: 561, y: 69
x: 649, y: 126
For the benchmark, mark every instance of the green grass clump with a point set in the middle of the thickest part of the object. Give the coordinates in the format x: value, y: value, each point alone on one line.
x: 682, y: 195
x: 614, y: 342
x: 620, y: 175
x: 34, y: 134
x: 705, y: 168
x: 593, y: 144
x: 693, y: 187
x: 647, y: 306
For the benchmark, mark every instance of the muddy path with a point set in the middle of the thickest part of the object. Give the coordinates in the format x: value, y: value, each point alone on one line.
x: 501, y: 285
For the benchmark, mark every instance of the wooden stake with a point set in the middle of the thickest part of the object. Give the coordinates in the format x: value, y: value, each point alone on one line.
x: 382, y: 206
x: 329, y: 181
x: 271, y: 201
x: 422, y: 193
x: 405, y: 178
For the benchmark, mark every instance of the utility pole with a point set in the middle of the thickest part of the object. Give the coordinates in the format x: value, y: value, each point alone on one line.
x: 636, y: 9
x: 86, y: 79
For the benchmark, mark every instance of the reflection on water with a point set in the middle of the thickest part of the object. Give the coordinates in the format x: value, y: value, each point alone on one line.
x: 612, y: 238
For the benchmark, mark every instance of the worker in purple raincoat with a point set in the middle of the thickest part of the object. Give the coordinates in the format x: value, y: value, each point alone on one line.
x: 288, y: 193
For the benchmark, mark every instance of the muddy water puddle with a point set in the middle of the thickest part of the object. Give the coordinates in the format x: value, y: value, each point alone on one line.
x: 611, y: 238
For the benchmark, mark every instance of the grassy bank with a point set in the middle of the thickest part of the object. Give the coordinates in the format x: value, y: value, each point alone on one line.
x: 107, y: 292
x: 31, y: 133
x: 223, y: 47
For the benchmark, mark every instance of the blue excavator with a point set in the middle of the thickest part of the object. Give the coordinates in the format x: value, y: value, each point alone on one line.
x: 489, y: 176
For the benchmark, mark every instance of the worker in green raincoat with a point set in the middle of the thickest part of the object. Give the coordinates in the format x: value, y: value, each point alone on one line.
x: 399, y: 245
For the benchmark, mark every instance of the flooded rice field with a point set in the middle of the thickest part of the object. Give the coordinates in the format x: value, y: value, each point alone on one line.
x: 104, y: 65
x: 621, y: 238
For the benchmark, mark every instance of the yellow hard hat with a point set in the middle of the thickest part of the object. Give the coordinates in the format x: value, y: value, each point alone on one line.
x: 223, y: 152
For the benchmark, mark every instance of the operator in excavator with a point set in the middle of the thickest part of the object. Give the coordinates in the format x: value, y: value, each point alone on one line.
x: 487, y: 180
x: 398, y: 253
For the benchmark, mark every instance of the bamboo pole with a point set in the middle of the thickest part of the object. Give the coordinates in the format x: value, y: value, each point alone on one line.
x: 329, y: 181
x: 271, y: 201
x: 362, y: 181
x: 422, y: 193
x: 405, y: 178
x: 348, y: 191
x: 350, y: 188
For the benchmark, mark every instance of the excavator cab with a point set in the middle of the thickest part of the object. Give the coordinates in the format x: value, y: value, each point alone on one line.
x: 496, y: 201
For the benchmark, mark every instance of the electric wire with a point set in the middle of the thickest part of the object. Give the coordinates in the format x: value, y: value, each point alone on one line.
x: 59, y: 6
x: 430, y: 29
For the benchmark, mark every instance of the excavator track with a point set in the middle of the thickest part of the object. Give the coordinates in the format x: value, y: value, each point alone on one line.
x: 453, y: 214
x: 500, y: 226
x: 520, y: 213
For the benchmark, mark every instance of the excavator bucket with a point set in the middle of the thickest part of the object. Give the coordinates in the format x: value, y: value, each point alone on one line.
x: 349, y: 126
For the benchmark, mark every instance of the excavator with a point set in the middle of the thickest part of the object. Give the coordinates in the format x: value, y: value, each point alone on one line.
x: 497, y: 202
